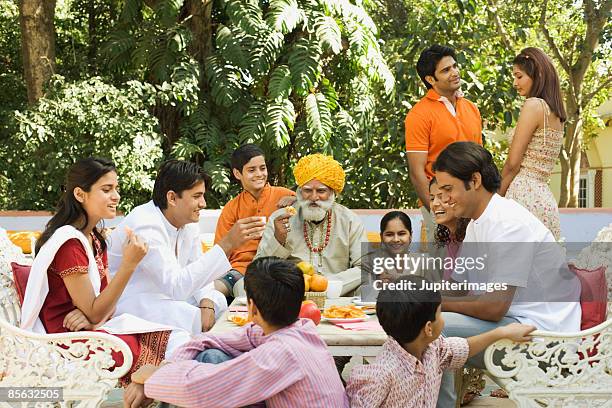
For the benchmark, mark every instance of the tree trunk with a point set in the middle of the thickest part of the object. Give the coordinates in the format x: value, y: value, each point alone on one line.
x: 570, y: 156
x: 37, y: 44
x: 200, y: 25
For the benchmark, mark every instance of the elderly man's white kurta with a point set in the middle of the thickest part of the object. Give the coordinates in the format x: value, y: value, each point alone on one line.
x: 173, y: 276
x: 341, y: 258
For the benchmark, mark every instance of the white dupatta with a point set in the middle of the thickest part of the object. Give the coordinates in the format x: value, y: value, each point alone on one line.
x: 37, y: 288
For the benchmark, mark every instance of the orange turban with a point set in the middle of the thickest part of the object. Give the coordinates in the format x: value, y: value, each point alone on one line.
x: 323, y: 168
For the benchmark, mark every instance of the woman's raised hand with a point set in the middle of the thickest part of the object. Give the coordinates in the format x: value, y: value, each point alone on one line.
x: 134, y: 248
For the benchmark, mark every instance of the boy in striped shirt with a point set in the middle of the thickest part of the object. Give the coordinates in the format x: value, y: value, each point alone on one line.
x: 408, y: 370
x: 277, y: 358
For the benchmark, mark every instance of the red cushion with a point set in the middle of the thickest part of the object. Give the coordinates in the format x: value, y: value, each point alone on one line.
x: 21, y: 273
x: 593, y: 297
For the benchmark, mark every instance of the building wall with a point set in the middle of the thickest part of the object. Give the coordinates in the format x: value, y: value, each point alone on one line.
x: 603, y: 144
x: 600, y: 157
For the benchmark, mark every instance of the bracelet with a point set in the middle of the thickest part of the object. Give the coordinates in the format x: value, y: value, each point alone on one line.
x: 207, y: 307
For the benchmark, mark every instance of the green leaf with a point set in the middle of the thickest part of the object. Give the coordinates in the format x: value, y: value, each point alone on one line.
x: 246, y: 14
x: 230, y: 47
x: 346, y: 126
x: 328, y: 90
x: 305, y: 65
x: 279, y: 86
x: 280, y: 116
x: 253, y: 127
x: 168, y: 10
x: 183, y: 149
x: 284, y: 15
x: 318, y: 118
x: 219, y: 175
x: 328, y: 33
x: 224, y: 80
x: 265, y: 54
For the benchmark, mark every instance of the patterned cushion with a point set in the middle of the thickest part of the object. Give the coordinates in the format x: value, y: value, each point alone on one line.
x: 593, y: 295
x: 21, y: 273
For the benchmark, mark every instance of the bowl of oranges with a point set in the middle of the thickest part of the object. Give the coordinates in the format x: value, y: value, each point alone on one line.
x: 315, y: 285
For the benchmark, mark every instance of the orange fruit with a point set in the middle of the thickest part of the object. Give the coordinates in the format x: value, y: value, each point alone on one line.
x: 318, y: 283
x: 307, y: 279
x: 306, y: 268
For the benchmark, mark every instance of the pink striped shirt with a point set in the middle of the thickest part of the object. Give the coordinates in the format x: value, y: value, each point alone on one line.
x: 288, y: 368
x: 398, y: 380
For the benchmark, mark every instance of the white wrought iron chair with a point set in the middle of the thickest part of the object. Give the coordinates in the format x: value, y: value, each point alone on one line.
x: 557, y: 370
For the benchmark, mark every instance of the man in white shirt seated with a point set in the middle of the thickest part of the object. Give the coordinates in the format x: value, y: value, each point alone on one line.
x: 522, y: 275
x: 173, y: 283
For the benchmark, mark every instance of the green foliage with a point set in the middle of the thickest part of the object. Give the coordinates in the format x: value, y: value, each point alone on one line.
x: 76, y: 120
x: 295, y: 76
x: 12, y: 87
x: 272, y: 78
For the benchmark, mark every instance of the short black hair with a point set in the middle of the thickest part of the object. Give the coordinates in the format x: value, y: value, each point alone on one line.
x: 276, y: 286
x: 429, y: 58
x: 463, y: 159
x: 178, y: 176
x: 404, y: 313
x: 392, y: 215
x: 244, y: 154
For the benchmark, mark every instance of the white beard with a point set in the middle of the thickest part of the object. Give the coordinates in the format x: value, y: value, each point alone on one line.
x: 315, y: 214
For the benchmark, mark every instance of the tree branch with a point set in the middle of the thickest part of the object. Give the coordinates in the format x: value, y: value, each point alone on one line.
x: 501, y: 31
x: 595, y: 20
x: 551, y: 41
x: 587, y: 98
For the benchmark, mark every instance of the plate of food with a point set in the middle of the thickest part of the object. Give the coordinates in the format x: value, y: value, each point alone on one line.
x: 357, y: 301
x: 344, y: 314
x: 239, y: 319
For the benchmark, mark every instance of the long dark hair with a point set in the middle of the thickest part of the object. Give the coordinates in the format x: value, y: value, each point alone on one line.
x: 536, y: 64
x: 84, y: 174
x: 442, y: 235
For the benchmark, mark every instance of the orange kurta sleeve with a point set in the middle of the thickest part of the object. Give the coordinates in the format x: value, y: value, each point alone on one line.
x: 228, y: 217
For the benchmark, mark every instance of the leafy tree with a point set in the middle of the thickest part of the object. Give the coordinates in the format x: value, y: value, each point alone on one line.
x: 579, y: 38
x: 77, y: 120
x: 294, y: 76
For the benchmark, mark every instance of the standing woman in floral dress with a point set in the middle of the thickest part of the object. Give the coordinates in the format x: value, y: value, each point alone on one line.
x: 537, y: 139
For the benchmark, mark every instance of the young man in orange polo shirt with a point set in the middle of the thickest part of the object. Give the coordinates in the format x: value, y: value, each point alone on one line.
x: 257, y: 199
x: 442, y: 117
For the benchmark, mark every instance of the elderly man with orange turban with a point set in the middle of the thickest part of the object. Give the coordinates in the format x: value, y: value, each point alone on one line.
x: 322, y: 232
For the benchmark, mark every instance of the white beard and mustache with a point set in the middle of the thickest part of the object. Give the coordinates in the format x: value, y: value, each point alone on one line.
x: 315, y: 214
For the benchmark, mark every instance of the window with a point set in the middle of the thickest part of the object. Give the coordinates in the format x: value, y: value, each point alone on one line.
x: 582, y: 192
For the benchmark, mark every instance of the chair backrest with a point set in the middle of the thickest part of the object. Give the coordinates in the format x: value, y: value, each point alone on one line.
x: 9, y: 301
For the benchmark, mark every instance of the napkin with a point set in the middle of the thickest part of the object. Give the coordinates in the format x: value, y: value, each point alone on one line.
x: 372, y: 325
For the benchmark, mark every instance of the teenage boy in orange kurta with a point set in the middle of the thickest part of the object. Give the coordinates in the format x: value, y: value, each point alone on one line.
x: 257, y: 199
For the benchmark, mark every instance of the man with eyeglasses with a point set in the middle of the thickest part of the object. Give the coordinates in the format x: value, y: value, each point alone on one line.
x: 322, y: 232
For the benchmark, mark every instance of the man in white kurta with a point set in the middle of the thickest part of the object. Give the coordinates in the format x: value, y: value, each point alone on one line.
x: 522, y: 277
x: 322, y: 232
x: 172, y: 285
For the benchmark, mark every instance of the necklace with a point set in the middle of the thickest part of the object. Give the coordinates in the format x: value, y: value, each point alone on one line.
x: 309, y: 235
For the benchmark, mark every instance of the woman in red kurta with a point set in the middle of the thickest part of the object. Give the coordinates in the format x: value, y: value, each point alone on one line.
x: 147, y: 348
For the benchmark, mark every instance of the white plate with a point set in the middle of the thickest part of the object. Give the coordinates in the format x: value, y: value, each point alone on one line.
x: 342, y: 320
x: 357, y: 301
x: 240, y: 300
